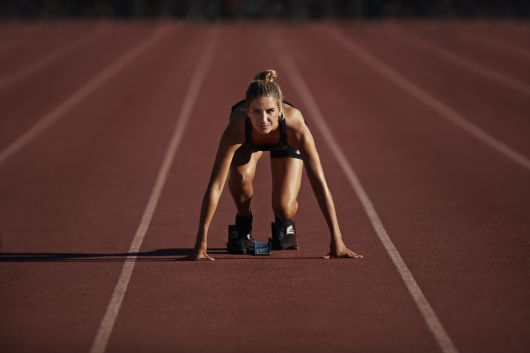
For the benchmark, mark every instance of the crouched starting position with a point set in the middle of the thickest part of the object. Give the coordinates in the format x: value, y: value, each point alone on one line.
x: 264, y: 121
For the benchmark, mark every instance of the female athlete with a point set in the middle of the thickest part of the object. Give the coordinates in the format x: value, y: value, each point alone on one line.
x: 264, y: 121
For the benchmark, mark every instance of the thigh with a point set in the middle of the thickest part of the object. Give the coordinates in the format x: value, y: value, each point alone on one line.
x: 286, y: 178
x: 244, y: 163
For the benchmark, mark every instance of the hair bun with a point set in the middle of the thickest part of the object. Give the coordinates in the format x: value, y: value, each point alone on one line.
x: 267, y: 75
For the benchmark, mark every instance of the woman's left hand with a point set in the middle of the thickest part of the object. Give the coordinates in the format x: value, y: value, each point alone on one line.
x: 339, y: 250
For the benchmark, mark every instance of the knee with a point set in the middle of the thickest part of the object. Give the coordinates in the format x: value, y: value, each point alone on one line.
x: 285, y: 209
x: 242, y: 176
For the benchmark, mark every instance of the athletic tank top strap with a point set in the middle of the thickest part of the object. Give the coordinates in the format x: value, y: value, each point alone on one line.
x: 234, y: 107
x: 286, y: 101
x: 248, y: 132
x: 283, y: 132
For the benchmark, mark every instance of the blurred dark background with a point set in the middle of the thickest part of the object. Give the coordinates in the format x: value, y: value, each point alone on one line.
x: 256, y: 9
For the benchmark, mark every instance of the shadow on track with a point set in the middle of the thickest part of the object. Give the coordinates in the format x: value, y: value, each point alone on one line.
x: 154, y: 255
x: 170, y: 254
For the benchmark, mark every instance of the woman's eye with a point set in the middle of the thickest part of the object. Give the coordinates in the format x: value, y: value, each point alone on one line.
x: 270, y: 111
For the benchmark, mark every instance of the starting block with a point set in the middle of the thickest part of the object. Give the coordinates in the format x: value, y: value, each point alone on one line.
x: 261, y: 248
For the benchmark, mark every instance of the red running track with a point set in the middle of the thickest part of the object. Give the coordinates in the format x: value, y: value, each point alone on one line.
x: 73, y: 195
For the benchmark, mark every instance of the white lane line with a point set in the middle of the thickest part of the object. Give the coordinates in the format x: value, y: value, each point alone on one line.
x: 13, y: 78
x: 105, y: 329
x: 500, y: 45
x: 467, y: 64
x: 64, y: 107
x: 426, y: 98
x: 430, y: 317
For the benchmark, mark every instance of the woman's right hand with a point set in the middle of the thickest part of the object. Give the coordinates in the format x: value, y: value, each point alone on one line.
x: 198, y: 255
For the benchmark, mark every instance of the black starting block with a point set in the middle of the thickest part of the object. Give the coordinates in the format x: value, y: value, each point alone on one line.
x: 261, y: 248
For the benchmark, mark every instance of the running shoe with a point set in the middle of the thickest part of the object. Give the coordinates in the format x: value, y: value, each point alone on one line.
x: 284, y: 235
x: 240, y: 240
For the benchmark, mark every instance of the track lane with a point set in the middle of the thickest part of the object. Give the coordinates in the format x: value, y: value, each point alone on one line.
x: 238, y: 300
x: 500, y: 45
x: 509, y: 32
x: 194, y: 86
x: 72, y: 201
x: 26, y: 46
x: 13, y: 76
x: 195, y: 306
x: 455, y: 40
x: 455, y: 211
x: 27, y: 102
x: 500, y: 70
x: 504, y: 115
x: 429, y: 315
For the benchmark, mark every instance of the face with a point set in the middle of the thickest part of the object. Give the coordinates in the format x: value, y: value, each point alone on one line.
x: 264, y: 113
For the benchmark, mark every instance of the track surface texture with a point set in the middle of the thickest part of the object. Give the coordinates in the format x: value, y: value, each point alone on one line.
x: 108, y: 132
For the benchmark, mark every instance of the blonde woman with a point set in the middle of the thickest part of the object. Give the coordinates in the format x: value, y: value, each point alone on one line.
x: 264, y: 121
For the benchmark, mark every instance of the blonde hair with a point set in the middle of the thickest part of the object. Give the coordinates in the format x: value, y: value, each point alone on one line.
x: 263, y: 85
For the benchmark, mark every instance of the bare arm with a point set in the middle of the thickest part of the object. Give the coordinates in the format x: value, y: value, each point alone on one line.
x: 225, y: 152
x: 303, y: 140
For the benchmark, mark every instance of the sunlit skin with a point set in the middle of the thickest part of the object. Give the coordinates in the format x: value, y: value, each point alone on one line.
x: 264, y: 114
x: 238, y: 164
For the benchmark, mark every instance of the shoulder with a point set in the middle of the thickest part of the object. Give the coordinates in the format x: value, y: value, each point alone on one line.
x: 297, y: 130
x: 235, y: 130
x: 294, y: 119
